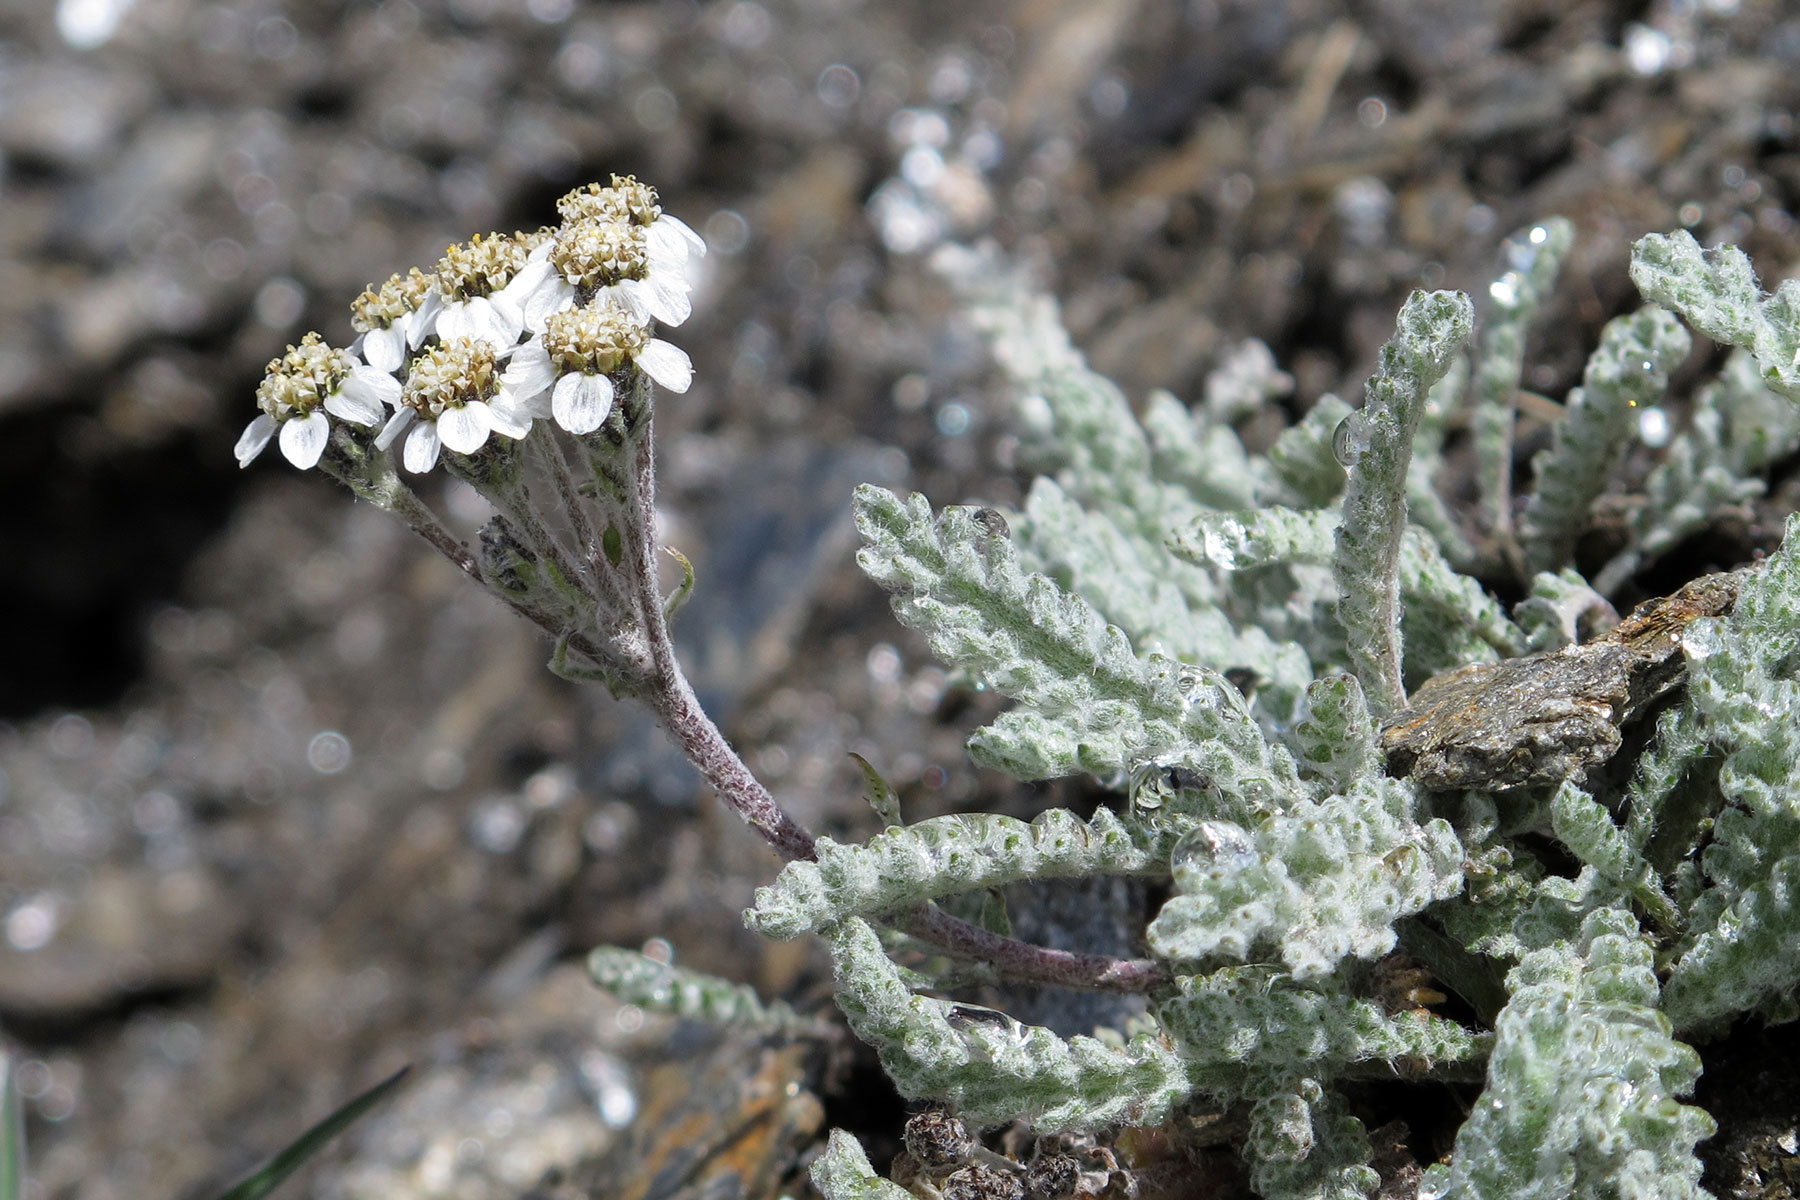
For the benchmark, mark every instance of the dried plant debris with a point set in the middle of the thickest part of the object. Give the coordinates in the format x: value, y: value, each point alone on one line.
x: 1536, y: 721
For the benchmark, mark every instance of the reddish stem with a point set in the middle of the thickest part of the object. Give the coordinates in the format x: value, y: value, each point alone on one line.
x: 1024, y: 961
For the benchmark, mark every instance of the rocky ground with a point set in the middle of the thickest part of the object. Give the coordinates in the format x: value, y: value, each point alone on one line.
x: 284, y: 806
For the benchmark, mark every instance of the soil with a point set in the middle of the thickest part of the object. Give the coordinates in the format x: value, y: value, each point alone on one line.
x: 284, y: 805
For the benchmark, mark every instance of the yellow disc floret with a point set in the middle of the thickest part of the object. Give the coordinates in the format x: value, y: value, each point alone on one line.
x: 449, y: 375
x: 378, y: 308
x: 626, y: 200
x: 595, y: 340
x: 601, y: 253
x: 481, y: 265
x: 298, y: 381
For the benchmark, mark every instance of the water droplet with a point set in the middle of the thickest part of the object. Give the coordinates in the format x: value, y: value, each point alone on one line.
x: 329, y: 752
x: 1402, y: 860
x: 1153, y: 783
x: 1349, y: 440
x: 1505, y: 290
x: 1147, y: 788
x: 1701, y: 640
x: 977, y: 1020
x: 1436, y: 1183
x: 1219, y: 551
x: 1214, y: 848
x: 1200, y: 689
x: 1653, y: 427
x: 1520, y: 253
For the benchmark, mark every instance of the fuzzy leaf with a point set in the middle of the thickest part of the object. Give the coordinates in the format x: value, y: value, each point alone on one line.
x: 1304, y: 1145
x: 1205, y: 458
x: 1737, y: 428
x: 1533, y: 257
x: 947, y: 856
x: 1443, y: 609
x: 1431, y: 329
x: 636, y: 978
x: 843, y: 1173
x: 1716, y: 292
x: 1629, y: 370
x: 1745, y: 929
x: 1587, y: 829
x: 1238, y: 1025
x: 1325, y: 880
x: 1103, y: 708
x: 993, y: 1068
x: 1582, y: 1084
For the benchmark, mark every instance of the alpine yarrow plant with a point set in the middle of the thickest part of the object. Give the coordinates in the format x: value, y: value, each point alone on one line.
x: 1229, y: 641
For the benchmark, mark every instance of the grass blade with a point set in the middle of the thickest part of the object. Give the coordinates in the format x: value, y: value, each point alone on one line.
x: 12, y: 1129
x: 271, y: 1174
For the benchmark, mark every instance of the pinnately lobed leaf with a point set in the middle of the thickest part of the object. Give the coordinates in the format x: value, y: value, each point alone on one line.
x: 1630, y: 371
x: 1431, y: 329
x: 1323, y: 881
x: 946, y: 856
x: 635, y: 978
x: 843, y: 1173
x: 1582, y: 1086
x: 992, y: 1068
x: 1716, y: 292
x: 1745, y: 928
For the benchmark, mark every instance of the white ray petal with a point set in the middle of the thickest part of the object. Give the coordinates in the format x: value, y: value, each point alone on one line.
x: 457, y: 319
x: 627, y: 295
x: 256, y: 435
x: 422, y: 323
x: 530, y: 371
x: 666, y: 363
x: 552, y: 296
x: 581, y: 402
x: 385, y: 349
x: 669, y: 302
x: 397, y: 425
x: 303, y: 439
x: 420, y: 453
x: 510, y: 415
x: 365, y: 397
x: 465, y: 428
x: 694, y: 241
x: 502, y: 320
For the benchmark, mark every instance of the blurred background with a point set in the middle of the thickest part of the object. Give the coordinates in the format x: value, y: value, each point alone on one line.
x: 284, y: 806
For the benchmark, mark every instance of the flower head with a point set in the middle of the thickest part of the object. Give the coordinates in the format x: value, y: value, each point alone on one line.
x: 606, y: 261
x: 301, y: 387
x: 635, y: 203
x: 482, y: 287
x: 616, y: 245
x: 454, y: 396
x: 576, y: 356
x: 395, y: 317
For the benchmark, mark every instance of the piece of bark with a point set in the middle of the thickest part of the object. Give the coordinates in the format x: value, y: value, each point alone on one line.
x: 1533, y: 722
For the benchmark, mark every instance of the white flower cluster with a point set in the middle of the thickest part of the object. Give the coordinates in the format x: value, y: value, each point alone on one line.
x: 504, y: 330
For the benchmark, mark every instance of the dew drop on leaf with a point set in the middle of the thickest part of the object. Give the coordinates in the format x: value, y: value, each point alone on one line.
x: 1213, y: 848
x: 1349, y: 440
